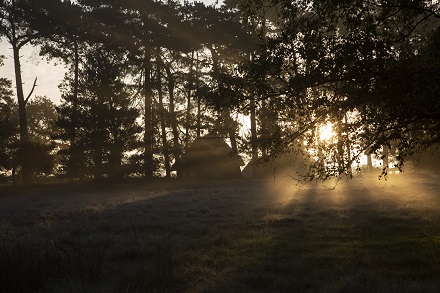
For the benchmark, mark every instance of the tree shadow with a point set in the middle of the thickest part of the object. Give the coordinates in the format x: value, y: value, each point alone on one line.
x: 245, y: 235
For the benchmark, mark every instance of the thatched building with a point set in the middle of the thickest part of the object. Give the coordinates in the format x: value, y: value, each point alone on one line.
x: 209, y: 157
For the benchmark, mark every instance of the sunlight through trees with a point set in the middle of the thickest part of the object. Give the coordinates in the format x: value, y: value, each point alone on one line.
x: 347, y: 82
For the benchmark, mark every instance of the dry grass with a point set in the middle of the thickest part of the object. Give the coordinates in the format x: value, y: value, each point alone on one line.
x: 243, y: 236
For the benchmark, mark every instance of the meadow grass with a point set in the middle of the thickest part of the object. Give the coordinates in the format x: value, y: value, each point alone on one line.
x: 363, y: 235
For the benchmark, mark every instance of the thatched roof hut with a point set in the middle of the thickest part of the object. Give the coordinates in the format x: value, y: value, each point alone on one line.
x: 209, y: 157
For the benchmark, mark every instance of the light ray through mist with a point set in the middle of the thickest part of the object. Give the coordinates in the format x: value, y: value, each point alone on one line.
x: 409, y: 189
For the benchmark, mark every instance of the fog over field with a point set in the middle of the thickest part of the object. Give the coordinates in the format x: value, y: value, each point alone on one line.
x: 361, y: 235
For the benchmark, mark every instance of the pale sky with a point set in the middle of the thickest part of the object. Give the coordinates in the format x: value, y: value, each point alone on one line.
x: 49, y: 75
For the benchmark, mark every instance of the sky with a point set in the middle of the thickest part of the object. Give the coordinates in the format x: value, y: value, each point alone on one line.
x: 49, y: 74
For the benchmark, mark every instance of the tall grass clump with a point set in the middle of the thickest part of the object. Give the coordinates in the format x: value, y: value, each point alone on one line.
x: 29, y: 265
x: 24, y: 267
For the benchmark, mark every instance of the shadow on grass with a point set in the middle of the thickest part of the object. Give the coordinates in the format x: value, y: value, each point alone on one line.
x: 361, y: 244
x: 243, y: 236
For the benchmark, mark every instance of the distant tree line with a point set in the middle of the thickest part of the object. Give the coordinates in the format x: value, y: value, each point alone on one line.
x: 145, y: 78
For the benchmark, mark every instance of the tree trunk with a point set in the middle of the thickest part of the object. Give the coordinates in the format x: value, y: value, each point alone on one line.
x: 198, y: 126
x: 116, y: 146
x: 148, y: 133
x: 385, y: 159
x: 199, y: 116
x: 369, y: 163
x: 188, y: 103
x: 73, y: 168
x: 173, y: 117
x: 264, y: 130
x: 225, y: 115
x: 26, y: 171
x: 162, y: 119
x: 348, y: 146
x: 340, y: 147
x: 254, y: 142
x: 231, y: 125
x: 98, y: 162
x: 188, y: 121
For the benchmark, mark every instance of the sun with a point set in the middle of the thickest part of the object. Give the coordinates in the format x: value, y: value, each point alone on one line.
x: 326, y: 132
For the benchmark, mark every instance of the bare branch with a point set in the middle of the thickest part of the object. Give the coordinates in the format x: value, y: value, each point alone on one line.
x: 32, y: 90
x: 404, y: 36
x: 431, y: 11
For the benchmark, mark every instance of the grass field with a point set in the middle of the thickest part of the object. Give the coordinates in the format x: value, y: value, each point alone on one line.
x: 364, y: 235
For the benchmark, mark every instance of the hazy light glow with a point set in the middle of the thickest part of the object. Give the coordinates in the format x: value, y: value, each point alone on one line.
x: 403, y: 192
x: 326, y: 132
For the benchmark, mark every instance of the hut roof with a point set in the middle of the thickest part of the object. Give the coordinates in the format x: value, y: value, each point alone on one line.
x: 210, y: 156
x: 210, y: 145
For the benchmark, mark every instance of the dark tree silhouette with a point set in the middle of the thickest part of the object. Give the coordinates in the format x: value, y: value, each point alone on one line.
x: 368, y: 69
x: 106, y: 118
x: 7, y: 126
x: 64, y: 37
x: 14, y: 26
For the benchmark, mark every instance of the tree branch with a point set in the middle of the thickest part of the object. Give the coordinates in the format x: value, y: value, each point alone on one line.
x: 23, y: 40
x: 431, y: 11
x: 32, y: 90
x: 414, y: 27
